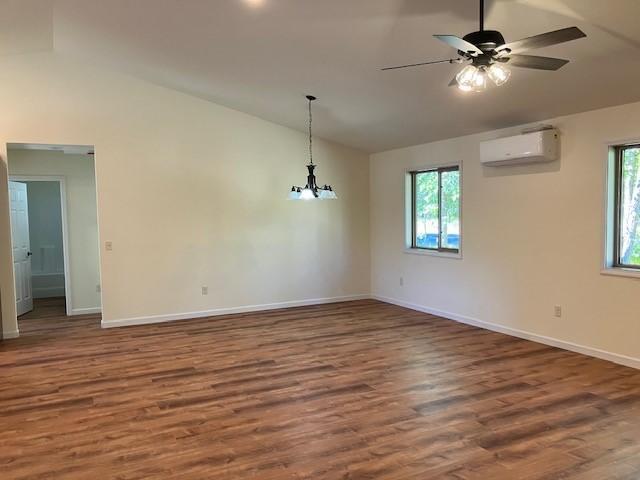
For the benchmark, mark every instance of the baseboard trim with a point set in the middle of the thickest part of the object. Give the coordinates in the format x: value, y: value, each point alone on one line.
x: 85, y: 311
x: 229, y: 311
x: 10, y: 335
x: 514, y: 332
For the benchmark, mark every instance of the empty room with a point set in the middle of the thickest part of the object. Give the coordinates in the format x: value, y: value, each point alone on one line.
x: 304, y: 239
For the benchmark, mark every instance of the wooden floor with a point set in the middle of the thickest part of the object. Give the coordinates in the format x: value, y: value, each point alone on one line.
x: 360, y: 390
x: 43, y: 308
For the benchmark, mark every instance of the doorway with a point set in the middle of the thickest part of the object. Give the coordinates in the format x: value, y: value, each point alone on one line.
x: 38, y: 217
x: 54, y: 231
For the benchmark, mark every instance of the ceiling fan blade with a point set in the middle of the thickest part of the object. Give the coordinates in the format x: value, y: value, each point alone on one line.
x: 453, y: 82
x: 539, y: 63
x: 459, y: 44
x: 452, y: 60
x: 543, y: 40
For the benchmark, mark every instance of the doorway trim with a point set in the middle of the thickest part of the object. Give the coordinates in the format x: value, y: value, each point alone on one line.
x: 65, y: 230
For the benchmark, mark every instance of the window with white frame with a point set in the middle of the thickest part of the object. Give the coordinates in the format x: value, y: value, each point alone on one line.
x: 624, y: 208
x: 433, y: 210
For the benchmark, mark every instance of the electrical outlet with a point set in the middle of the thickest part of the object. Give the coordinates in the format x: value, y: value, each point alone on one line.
x: 401, y: 281
x: 557, y: 311
x: 98, y: 289
x: 108, y: 246
x: 205, y: 290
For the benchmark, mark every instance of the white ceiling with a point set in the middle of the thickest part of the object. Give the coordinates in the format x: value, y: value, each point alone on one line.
x: 262, y: 56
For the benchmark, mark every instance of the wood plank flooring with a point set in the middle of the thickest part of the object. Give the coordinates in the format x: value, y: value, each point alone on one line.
x: 358, y: 390
x: 43, y: 308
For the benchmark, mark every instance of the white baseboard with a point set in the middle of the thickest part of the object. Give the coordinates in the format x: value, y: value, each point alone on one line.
x: 514, y: 332
x: 9, y: 335
x: 228, y: 311
x: 85, y: 311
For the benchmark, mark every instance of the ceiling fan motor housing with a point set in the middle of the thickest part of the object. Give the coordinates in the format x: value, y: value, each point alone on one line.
x: 485, y: 40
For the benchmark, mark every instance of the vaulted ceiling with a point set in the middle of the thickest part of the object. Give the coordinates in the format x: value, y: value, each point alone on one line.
x: 262, y: 56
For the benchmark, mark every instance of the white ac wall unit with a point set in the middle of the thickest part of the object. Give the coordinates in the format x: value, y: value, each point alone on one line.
x: 531, y: 147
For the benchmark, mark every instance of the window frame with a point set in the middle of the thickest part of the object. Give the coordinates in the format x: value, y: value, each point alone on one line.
x: 410, y: 211
x: 618, y: 151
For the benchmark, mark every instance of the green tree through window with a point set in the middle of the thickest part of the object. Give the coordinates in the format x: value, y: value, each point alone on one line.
x: 436, y: 209
x: 628, y: 206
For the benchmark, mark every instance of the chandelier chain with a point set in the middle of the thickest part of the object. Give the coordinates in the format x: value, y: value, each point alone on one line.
x: 310, y: 135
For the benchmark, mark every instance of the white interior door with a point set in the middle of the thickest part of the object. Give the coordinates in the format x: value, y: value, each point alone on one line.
x: 21, y: 246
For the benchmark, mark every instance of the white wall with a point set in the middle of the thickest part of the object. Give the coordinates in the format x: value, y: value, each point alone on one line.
x: 190, y: 194
x: 79, y: 174
x: 532, y: 238
x: 45, y: 226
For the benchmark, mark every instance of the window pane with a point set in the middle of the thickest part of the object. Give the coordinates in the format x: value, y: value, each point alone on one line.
x: 451, y: 209
x: 630, y: 207
x: 426, y: 221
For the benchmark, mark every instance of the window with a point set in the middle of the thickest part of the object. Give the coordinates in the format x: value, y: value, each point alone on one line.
x: 435, y: 210
x: 626, y: 241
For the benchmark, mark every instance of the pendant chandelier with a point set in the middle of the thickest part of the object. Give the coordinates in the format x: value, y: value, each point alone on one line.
x: 311, y: 191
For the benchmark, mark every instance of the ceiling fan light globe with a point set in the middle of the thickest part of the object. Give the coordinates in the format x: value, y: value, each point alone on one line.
x: 499, y: 74
x: 479, y: 82
x: 466, y: 76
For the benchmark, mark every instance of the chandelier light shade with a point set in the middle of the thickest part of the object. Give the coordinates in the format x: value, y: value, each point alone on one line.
x: 311, y: 190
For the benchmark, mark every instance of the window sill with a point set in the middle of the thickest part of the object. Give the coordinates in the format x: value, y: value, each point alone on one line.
x: 433, y: 253
x: 621, y: 272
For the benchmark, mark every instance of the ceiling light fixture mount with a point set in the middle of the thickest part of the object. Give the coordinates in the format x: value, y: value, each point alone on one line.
x: 311, y: 191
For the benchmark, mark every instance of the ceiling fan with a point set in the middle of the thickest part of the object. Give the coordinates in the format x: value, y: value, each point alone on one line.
x: 488, y: 53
